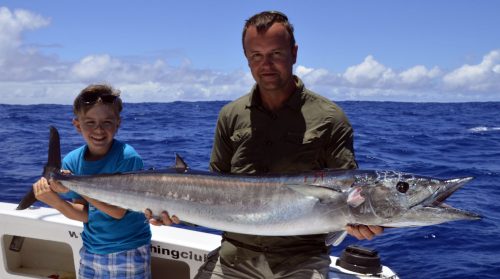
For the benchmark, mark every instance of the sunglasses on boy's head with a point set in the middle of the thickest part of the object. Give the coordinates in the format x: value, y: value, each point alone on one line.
x: 90, y: 99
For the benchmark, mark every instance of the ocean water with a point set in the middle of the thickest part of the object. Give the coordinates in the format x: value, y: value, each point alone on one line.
x: 435, y: 139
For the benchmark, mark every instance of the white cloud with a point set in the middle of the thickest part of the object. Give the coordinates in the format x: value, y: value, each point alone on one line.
x: 371, y: 80
x: 16, y: 61
x: 28, y: 76
x: 12, y: 24
x: 189, y: 87
x: 369, y: 73
x: 94, y: 67
x: 303, y: 71
x: 482, y: 77
x: 418, y: 75
x: 157, y: 81
x: 311, y: 76
x: 496, y: 69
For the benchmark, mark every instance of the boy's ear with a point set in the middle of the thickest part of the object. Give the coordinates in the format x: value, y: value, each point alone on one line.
x: 76, y: 123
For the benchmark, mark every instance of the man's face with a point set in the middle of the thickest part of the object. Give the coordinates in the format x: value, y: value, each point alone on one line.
x: 270, y: 57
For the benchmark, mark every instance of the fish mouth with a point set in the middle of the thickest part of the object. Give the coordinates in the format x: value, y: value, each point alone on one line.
x: 433, y: 210
x: 445, y: 190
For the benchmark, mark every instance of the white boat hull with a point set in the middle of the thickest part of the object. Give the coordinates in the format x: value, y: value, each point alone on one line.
x: 49, y: 244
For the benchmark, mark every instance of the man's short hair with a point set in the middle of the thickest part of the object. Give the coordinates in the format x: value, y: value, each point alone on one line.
x: 264, y: 20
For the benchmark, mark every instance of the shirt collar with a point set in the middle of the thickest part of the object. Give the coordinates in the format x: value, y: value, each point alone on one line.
x: 293, y: 102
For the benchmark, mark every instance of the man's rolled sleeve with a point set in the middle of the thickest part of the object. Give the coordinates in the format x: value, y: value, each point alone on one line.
x: 341, y: 148
x: 220, y: 159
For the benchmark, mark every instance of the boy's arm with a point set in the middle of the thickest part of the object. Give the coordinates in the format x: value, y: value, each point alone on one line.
x: 44, y: 193
x: 113, y: 211
x: 132, y: 163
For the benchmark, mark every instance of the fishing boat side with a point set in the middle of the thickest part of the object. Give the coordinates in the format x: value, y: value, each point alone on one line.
x: 42, y: 243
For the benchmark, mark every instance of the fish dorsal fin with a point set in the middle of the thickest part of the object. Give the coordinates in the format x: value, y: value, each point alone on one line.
x: 53, y: 165
x: 335, y: 238
x: 180, y: 165
x: 323, y: 194
x: 54, y: 157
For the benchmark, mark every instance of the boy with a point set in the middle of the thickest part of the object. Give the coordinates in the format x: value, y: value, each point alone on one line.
x: 116, y: 242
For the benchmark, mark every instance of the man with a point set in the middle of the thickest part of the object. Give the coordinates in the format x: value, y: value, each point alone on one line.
x: 279, y: 127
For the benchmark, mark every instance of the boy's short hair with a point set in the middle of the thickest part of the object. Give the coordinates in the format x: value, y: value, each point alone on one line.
x: 95, y: 93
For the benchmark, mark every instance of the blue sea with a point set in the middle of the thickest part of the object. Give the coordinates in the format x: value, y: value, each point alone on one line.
x: 437, y: 139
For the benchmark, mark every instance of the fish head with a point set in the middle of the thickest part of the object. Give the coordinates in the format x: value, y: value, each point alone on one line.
x: 395, y: 199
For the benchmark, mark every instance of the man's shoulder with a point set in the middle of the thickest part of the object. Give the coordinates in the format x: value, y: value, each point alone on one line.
x: 317, y: 104
x: 236, y: 106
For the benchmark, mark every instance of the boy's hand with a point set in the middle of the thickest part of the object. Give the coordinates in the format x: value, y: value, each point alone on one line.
x: 163, y: 219
x: 44, y: 193
x: 56, y: 186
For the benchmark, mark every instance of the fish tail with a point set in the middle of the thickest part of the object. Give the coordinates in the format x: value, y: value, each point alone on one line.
x: 53, y: 166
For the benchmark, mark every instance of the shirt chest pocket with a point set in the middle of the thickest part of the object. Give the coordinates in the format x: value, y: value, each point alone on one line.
x: 308, y: 139
x: 305, y: 148
x: 245, y: 146
x: 241, y: 135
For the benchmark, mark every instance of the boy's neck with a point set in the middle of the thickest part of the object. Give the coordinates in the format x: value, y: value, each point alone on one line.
x: 90, y: 156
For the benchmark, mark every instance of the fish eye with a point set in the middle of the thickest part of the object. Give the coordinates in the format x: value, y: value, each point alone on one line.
x: 402, y: 186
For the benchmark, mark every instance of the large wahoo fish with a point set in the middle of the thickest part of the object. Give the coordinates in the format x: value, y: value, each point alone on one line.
x: 304, y: 203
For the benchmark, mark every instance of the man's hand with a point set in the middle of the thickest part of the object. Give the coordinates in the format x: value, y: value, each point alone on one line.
x: 364, y: 232
x: 164, y: 218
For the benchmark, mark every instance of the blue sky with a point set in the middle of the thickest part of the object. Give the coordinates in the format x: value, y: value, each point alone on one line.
x: 162, y: 51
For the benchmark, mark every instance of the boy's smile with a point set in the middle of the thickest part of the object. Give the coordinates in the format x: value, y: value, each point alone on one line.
x: 98, y: 127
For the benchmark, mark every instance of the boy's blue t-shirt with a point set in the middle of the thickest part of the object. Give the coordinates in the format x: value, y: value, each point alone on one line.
x: 103, y: 234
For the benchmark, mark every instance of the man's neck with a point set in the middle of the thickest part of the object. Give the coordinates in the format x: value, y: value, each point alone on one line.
x: 274, y: 100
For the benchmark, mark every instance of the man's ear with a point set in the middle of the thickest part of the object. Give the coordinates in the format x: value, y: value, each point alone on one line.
x: 77, y: 125
x: 295, y: 50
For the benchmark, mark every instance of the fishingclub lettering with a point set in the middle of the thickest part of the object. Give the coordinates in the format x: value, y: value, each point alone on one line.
x: 157, y: 249
x: 176, y: 254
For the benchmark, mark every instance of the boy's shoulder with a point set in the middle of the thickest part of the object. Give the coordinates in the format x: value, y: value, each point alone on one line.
x: 75, y: 154
x: 126, y: 150
x: 122, y: 157
x: 127, y: 159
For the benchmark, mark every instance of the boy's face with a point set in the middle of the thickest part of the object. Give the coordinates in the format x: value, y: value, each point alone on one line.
x: 98, y: 127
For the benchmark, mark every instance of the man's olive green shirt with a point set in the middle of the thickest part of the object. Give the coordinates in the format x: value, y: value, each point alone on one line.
x: 308, y: 133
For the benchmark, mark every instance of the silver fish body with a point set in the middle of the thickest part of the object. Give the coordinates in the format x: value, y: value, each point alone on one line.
x: 296, y: 204
x: 306, y: 203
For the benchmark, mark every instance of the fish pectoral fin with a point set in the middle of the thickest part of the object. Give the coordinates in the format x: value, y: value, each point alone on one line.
x: 335, y: 238
x: 323, y: 194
